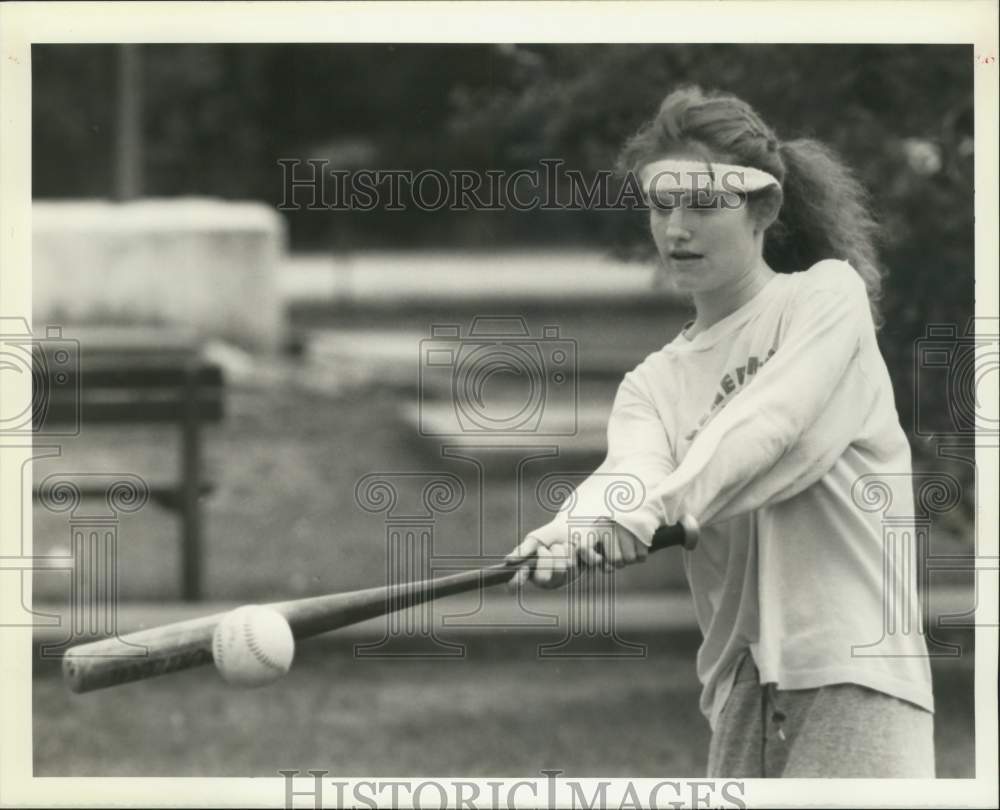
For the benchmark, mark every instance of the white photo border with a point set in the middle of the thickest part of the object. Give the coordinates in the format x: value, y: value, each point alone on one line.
x: 857, y: 21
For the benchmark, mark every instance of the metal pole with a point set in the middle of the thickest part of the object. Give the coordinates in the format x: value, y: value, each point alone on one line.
x: 128, y: 132
x: 191, y: 485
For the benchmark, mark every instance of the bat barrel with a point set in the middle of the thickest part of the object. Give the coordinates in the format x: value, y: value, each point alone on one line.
x: 140, y: 655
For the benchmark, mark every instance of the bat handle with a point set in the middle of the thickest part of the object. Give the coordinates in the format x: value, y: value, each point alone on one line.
x: 685, y: 533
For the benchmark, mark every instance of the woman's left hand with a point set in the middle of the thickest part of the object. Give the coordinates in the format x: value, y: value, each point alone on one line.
x: 607, y: 544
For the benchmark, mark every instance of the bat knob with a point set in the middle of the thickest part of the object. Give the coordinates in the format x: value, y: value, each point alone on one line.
x: 692, y: 531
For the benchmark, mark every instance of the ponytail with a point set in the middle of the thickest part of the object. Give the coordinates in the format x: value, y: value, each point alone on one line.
x: 825, y: 214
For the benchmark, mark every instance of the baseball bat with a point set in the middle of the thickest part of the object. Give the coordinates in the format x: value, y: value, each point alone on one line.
x: 182, y: 645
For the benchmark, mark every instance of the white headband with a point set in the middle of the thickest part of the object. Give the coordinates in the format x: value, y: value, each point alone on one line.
x: 694, y: 175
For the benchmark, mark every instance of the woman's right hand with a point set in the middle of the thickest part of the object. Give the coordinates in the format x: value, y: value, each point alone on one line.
x: 550, y: 560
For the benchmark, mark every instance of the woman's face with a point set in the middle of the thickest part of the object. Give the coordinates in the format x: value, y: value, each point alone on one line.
x: 704, y: 244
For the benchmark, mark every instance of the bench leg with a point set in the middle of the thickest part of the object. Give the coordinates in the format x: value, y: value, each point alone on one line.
x: 191, y: 491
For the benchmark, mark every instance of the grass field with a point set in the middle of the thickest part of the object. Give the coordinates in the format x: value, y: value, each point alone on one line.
x: 500, y: 711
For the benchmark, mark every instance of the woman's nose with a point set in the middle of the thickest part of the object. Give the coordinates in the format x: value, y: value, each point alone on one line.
x: 675, y: 226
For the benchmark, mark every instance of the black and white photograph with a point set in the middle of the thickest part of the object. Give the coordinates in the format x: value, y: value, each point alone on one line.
x: 506, y: 405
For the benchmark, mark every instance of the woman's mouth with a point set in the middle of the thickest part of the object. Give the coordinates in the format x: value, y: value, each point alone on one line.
x: 684, y: 255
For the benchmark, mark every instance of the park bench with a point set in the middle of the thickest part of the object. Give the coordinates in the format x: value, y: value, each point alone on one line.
x: 136, y: 376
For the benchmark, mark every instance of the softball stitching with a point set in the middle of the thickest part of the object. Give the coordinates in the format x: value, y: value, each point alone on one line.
x: 258, y: 653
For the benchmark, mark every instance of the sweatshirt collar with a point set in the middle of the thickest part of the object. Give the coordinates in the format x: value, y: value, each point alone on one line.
x: 734, y: 320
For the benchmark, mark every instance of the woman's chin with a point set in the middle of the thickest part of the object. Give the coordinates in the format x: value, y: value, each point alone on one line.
x: 685, y: 283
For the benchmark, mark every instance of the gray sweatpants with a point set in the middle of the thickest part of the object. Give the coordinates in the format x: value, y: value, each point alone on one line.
x: 838, y: 731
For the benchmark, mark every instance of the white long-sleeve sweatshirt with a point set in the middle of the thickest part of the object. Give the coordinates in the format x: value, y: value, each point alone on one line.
x: 774, y: 428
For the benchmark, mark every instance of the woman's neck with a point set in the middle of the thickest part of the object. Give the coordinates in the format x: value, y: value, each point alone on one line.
x: 714, y: 305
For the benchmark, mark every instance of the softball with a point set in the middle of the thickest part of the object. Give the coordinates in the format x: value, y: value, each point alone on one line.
x: 252, y: 646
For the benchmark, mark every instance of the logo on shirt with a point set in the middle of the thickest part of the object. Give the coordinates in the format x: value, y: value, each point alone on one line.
x: 731, y: 382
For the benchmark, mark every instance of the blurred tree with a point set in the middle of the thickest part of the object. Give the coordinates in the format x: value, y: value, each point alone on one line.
x: 73, y: 118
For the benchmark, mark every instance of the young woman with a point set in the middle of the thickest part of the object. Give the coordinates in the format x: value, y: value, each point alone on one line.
x: 766, y: 421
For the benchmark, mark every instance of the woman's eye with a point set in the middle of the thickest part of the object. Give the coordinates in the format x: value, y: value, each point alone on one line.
x: 660, y: 204
x: 702, y: 201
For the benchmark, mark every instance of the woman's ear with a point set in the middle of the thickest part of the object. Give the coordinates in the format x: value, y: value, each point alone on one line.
x: 765, y: 208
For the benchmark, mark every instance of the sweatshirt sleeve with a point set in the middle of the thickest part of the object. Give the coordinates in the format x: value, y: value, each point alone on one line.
x: 787, y: 428
x: 639, y: 457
